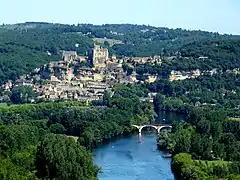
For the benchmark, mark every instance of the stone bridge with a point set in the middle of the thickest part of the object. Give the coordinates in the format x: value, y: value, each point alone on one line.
x: 158, y: 127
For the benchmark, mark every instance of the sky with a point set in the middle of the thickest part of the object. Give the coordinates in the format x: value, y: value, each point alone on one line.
x: 211, y: 15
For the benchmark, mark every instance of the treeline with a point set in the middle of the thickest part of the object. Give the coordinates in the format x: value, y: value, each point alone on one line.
x: 219, y: 91
x: 52, y: 140
x: 187, y: 168
x: 209, y: 136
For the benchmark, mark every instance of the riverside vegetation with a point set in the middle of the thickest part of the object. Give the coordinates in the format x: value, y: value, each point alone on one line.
x: 33, y: 141
x: 207, y: 145
x: 36, y: 139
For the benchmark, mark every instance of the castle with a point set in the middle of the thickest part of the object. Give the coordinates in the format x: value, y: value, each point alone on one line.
x: 99, y: 57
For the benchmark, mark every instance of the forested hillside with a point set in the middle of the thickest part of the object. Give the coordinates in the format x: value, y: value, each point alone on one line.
x: 26, y: 46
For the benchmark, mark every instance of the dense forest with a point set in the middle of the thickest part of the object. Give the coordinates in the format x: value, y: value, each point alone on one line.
x: 26, y: 46
x: 207, y: 144
x: 53, y: 140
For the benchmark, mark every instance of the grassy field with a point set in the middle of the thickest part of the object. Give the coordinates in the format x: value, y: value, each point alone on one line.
x: 110, y: 41
x: 234, y: 119
x: 3, y: 104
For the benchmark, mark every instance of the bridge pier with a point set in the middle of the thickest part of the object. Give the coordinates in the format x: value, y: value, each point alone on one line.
x: 140, y: 130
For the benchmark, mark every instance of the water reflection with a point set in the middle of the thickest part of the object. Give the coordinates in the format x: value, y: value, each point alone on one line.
x: 140, y: 138
x: 168, y: 117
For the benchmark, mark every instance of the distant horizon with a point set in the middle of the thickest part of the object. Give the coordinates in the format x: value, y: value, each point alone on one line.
x: 212, y: 16
x: 47, y: 22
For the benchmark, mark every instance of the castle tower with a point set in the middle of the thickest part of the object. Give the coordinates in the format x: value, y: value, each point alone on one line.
x: 99, y: 57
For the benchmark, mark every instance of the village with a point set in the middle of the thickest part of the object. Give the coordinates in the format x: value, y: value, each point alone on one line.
x: 70, y: 78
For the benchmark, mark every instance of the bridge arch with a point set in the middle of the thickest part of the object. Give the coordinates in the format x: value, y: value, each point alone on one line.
x: 164, y: 127
x: 158, y: 128
x: 153, y: 127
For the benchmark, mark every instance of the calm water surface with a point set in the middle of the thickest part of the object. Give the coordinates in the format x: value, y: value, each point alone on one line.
x: 127, y: 159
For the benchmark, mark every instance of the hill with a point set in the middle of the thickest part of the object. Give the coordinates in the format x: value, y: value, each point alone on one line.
x: 26, y: 46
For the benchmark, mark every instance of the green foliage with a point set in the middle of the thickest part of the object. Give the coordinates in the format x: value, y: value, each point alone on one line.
x: 186, y: 168
x: 217, y: 92
x: 25, y: 159
x: 159, y: 99
x: 22, y: 94
x: 229, y: 49
x: 22, y: 48
x: 57, y: 128
x: 201, y: 142
x: 26, y: 141
x: 18, y: 151
x: 183, y: 140
x: 60, y: 157
x: 40, y: 124
x: 8, y: 170
x: 17, y: 138
x: 32, y: 112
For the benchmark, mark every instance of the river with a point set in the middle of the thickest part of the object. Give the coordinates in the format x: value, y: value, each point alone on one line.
x: 126, y: 159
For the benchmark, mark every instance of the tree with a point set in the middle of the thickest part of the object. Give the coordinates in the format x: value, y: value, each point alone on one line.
x: 196, y: 146
x: 179, y: 161
x: 60, y: 157
x: 219, y: 150
x: 106, y: 98
x: 57, y: 128
x: 196, y: 114
x: 220, y: 170
x: 87, y: 138
x: 203, y: 127
x: 158, y: 102
x: 216, y: 129
x: 22, y: 94
x: 8, y: 170
x: 183, y: 141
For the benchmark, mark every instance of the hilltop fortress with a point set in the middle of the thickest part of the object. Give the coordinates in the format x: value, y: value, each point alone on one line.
x: 86, y: 78
x: 81, y: 78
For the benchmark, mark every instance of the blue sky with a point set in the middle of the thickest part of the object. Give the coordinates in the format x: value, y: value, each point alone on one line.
x: 212, y: 15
